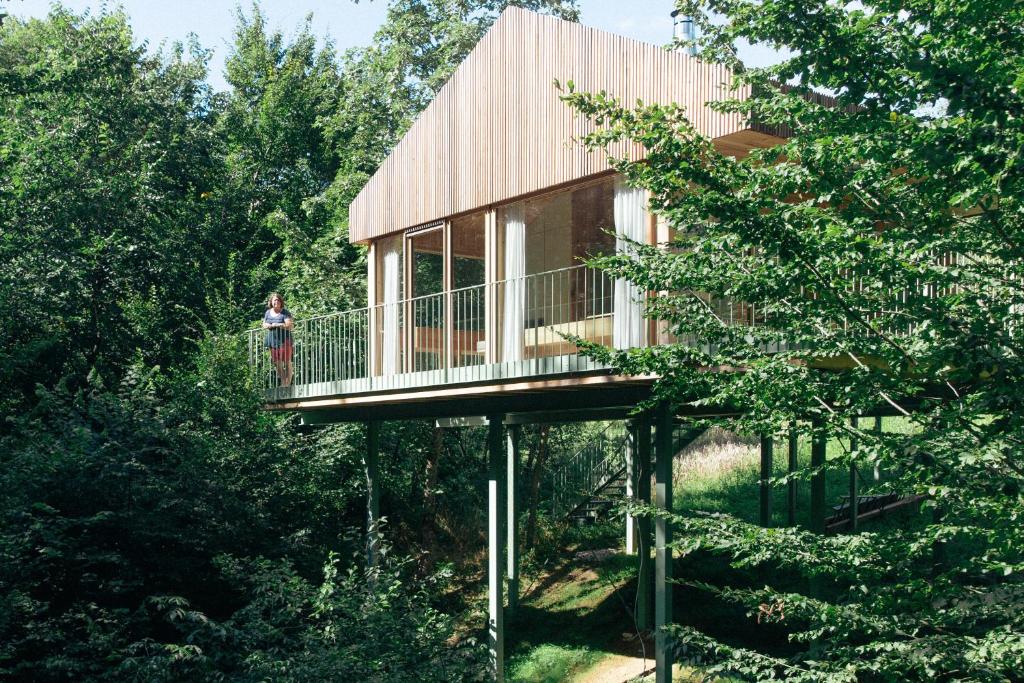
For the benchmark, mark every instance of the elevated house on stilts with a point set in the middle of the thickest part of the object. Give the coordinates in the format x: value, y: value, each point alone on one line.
x: 476, y: 225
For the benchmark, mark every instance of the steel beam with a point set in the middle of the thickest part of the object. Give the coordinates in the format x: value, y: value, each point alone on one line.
x: 662, y: 549
x: 459, y: 422
x: 569, y: 416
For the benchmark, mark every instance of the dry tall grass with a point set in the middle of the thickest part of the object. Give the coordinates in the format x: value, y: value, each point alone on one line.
x: 715, y: 455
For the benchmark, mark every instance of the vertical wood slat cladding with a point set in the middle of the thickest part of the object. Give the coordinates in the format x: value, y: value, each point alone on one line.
x: 497, y: 130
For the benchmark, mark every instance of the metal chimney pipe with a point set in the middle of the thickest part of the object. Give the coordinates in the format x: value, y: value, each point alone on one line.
x: 683, y: 28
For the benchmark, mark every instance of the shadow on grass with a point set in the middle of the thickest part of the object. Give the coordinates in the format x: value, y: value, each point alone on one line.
x: 587, y: 614
x: 574, y: 617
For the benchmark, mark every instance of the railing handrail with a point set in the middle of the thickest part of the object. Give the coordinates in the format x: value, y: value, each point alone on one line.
x: 366, y: 309
x: 315, y: 318
x: 578, y: 454
x: 584, y: 485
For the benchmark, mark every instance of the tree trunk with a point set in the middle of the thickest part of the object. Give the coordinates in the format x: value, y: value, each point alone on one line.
x: 429, y: 496
x: 535, y: 472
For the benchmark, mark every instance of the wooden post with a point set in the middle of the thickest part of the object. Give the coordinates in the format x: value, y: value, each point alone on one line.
x: 491, y: 277
x: 373, y: 297
x: 495, y: 547
x: 663, y: 538
x: 854, y: 502
x: 766, y: 475
x: 792, y: 484
x: 448, y: 278
x: 631, y: 481
x: 513, y: 516
x: 645, y: 569
x: 370, y: 462
x: 818, y: 454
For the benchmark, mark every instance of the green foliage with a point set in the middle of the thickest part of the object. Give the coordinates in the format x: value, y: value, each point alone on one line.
x: 114, y: 499
x: 102, y: 161
x: 839, y: 237
x: 281, y: 215
x: 155, y: 522
x: 551, y: 664
x: 366, y: 625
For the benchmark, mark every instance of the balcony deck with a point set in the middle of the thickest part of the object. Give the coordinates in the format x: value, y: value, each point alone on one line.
x: 503, y: 347
x: 357, y: 362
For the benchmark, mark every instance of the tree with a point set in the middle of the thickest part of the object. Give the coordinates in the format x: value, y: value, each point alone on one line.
x: 103, y: 159
x: 881, y: 248
x: 137, y: 466
x: 275, y: 224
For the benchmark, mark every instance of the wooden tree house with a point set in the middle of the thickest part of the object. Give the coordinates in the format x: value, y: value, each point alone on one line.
x: 476, y: 226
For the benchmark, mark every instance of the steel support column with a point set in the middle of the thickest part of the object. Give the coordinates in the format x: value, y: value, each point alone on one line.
x: 878, y: 429
x: 512, y: 539
x: 767, y: 454
x: 854, y: 493
x: 663, y: 539
x: 791, y: 486
x: 496, y: 546
x: 819, y: 443
x: 645, y: 536
x: 370, y: 462
x: 631, y: 481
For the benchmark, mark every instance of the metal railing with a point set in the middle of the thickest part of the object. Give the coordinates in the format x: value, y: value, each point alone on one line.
x: 593, y: 467
x: 326, y: 348
x: 511, y: 328
x: 517, y: 327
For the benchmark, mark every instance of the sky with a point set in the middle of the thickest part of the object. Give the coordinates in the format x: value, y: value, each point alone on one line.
x: 348, y: 23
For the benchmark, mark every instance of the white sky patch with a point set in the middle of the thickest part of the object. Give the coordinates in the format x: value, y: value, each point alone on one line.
x: 348, y: 24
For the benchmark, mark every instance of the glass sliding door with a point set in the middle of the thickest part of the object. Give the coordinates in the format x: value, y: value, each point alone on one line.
x: 450, y: 296
x: 547, y: 292
x: 467, y: 303
x: 426, y: 308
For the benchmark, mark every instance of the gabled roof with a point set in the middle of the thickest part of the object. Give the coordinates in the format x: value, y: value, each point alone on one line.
x: 497, y: 130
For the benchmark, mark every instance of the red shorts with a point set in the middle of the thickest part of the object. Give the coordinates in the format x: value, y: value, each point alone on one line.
x: 282, y: 353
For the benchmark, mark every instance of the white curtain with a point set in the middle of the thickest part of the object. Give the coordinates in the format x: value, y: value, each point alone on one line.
x: 629, y: 223
x: 392, y: 277
x: 515, y: 283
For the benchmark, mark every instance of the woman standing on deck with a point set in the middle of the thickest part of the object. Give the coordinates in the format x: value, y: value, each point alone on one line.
x: 277, y: 321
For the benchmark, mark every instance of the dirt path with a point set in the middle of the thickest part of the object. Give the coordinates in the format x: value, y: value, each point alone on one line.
x: 616, y: 669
